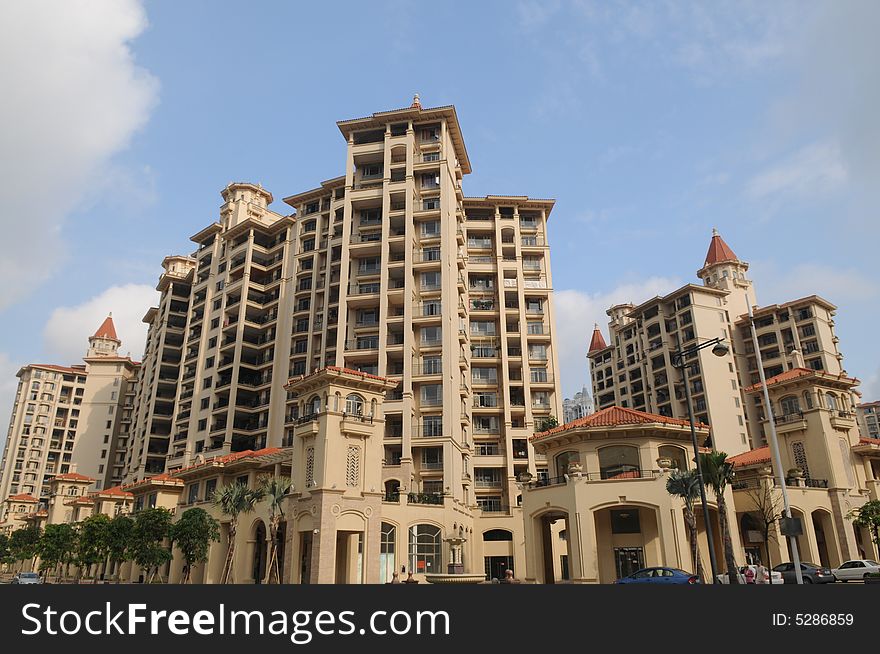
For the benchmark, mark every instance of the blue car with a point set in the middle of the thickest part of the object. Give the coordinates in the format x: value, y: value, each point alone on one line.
x: 660, y: 576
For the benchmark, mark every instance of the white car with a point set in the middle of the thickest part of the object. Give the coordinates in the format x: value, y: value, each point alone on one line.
x: 775, y: 577
x: 855, y: 569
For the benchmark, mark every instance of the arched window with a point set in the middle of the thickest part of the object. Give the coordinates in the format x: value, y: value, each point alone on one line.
x: 676, y: 454
x: 354, y: 405
x: 790, y: 405
x: 619, y: 462
x: 387, y: 546
x: 392, y: 490
x: 424, y: 548
x: 564, y: 459
x: 831, y: 401
x: 314, y: 406
x: 498, y: 535
x: 808, y: 399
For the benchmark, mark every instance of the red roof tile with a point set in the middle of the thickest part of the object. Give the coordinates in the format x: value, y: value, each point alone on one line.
x: 78, y: 370
x: 796, y: 373
x: 22, y: 497
x: 597, y: 342
x: 869, y: 441
x: 116, y: 491
x: 615, y: 416
x: 719, y: 251
x: 752, y: 457
x: 107, y: 329
x: 234, y: 456
x: 72, y: 476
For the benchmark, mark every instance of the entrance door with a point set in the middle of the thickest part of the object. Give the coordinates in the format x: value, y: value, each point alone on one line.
x: 628, y: 559
x: 495, y: 566
x: 305, y: 559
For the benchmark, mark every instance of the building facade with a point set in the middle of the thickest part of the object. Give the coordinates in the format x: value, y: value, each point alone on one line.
x: 69, y: 419
x: 579, y: 406
x: 868, y: 417
x: 635, y: 368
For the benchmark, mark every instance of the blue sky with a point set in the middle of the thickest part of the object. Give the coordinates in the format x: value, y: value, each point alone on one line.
x: 650, y: 123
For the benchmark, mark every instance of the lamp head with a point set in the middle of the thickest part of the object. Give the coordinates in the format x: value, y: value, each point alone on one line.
x: 720, y: 349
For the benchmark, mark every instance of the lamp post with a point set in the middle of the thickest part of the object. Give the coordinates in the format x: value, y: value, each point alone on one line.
x: 719, y: 349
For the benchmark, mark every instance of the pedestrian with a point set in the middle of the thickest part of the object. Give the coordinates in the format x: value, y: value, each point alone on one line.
x: 749, y: 574
x: 762, y: 576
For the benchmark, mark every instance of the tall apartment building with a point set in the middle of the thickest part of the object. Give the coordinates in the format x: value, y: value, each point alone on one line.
x: 160, y: 371
x: 389, y: 270
x: 635, y: 368
x: 578, y: 406
x: 69, y: 419
x: 868, y: 417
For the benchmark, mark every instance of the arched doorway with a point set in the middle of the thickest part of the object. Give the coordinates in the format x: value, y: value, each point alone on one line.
x: 258, y: 569
x: 627, y: 539
x: 823, y: 527
x: 553, y: 539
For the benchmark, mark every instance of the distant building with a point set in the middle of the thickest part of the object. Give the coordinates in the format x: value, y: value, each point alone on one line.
x: 578, y: 406
x: 868, y: 417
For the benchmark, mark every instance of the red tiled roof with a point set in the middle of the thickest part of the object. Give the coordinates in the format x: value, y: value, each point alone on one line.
x: 107, y: 329
x: 869, y: 441
x: 234, y: 456
x: 796, y: 373
x: 22, y: 497
x: 51, y: 366
x: 116, y: 491
x: 347, y: 371
x: 597, y: 342
x: 160, y: 478
x: 72, y: 476
x: 750, y: 458
x: 615, y: 416
x: 719, y: 251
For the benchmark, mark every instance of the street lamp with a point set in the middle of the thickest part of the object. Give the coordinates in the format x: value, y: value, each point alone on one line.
x: 719, y: 349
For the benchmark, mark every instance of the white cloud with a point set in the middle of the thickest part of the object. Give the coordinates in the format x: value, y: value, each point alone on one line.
x: 65, y: 336
x: 72, y: 98
x: 814, y: 170
x: 835, y: 284
x: 577, y: 311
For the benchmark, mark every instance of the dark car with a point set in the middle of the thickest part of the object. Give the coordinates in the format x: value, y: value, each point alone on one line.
x: 660, y: 576
x: 812, y: 573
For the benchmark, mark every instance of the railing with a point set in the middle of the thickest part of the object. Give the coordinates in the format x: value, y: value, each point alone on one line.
x: 425, y: 498
x: 392, y: 497
x: 431, y: 430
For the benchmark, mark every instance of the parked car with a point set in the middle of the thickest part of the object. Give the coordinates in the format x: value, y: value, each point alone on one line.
x: 855, y: 569
x: 775, y: 577
x: 660, y: 576
x: 812, y: 573
x: 27, y: 578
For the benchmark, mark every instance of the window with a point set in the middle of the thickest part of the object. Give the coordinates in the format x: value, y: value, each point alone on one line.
x: 192, y: 494
x: 676, y: 454
x: 619, y: 462
x: 625, y: 521
x: 495, y: 535
x: 210, y: 487
x: 430, y: 280
x: 564, y: 460
x: 387, y: 560
x: 790, y: 405
x: 354, y: 405
x: 800, y: 458
x: 424, y: 548
x: 432, y: 394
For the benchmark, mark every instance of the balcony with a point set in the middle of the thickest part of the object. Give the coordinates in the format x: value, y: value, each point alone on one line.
x: 434, y: 499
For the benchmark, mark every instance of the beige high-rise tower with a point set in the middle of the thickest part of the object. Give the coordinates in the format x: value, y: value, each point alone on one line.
x: 389, y: 270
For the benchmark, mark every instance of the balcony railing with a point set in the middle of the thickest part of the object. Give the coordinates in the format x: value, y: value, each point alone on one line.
x: 425, y: 498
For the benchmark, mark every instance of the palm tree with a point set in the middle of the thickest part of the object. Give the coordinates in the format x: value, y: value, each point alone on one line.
x: 233, y: 500
x: 275, y: 489
x: 686, y: 485
x: 718, y: 473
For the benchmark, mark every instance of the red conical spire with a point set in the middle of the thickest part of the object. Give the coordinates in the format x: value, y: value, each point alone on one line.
x: 719, y: 251
x: 107, y: 329
x: 597, y: 342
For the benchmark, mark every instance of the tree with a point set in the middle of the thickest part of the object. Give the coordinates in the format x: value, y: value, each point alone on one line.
x: 718, y: 474
x: 275, y: 489
x: 23, y: 544
x: 56, y: 547
x: 233, y: 500
x: 686, y: 485
x: 768, y: 509
x: 548, y: 423
x: 5, y: 557
x: 151, y: 529
x: 867, y: 517
x: 119, y: 540
x: 92, y: 545
x: 193, y: 535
